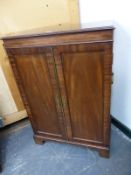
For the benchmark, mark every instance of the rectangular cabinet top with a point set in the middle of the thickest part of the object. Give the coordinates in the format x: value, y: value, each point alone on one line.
x: 59, y: 29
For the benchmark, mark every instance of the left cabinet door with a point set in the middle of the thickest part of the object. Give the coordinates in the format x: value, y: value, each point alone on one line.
x: 35, y: 74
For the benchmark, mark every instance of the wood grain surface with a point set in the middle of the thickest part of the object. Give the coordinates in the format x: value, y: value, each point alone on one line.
x: 65, y: 82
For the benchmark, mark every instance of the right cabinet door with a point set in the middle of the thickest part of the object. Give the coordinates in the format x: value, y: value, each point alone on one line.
x: 84, y: 74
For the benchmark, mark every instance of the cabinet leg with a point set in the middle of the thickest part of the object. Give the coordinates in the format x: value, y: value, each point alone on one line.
x: 38, y: 140
x: 104, y: 153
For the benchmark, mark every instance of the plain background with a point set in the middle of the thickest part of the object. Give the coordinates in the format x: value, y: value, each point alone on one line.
x: 119, y: 13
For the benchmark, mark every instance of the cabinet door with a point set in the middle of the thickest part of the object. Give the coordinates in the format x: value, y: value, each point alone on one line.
x: 36, y: 75
x: 84, y: 72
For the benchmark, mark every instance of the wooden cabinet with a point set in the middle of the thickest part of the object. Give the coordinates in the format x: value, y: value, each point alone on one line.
x: 65, y: 82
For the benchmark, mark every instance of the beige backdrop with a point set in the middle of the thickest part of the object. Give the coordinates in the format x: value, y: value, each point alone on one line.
x: 15, y: 16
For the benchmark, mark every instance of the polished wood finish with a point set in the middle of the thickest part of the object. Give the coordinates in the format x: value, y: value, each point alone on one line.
x: 65, y: 81
x: 83, y: 72
x: 34, y: 67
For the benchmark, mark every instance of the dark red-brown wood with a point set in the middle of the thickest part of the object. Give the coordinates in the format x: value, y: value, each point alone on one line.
x: 82, y: 69
x: 65, y: 82
x: 37, y: 73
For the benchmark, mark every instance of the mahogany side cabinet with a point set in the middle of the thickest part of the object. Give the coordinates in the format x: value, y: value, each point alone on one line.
x: 64, y: 78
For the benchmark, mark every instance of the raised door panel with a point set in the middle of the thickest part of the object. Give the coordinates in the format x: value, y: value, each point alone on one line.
x: 82, y: 73
x: 36, y: 73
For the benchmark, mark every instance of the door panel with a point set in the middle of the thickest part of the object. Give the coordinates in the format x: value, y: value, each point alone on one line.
x: 83, y: 73
x: 37, y: 72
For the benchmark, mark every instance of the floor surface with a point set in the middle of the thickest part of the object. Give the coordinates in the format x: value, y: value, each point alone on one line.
x: 21, y: 156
